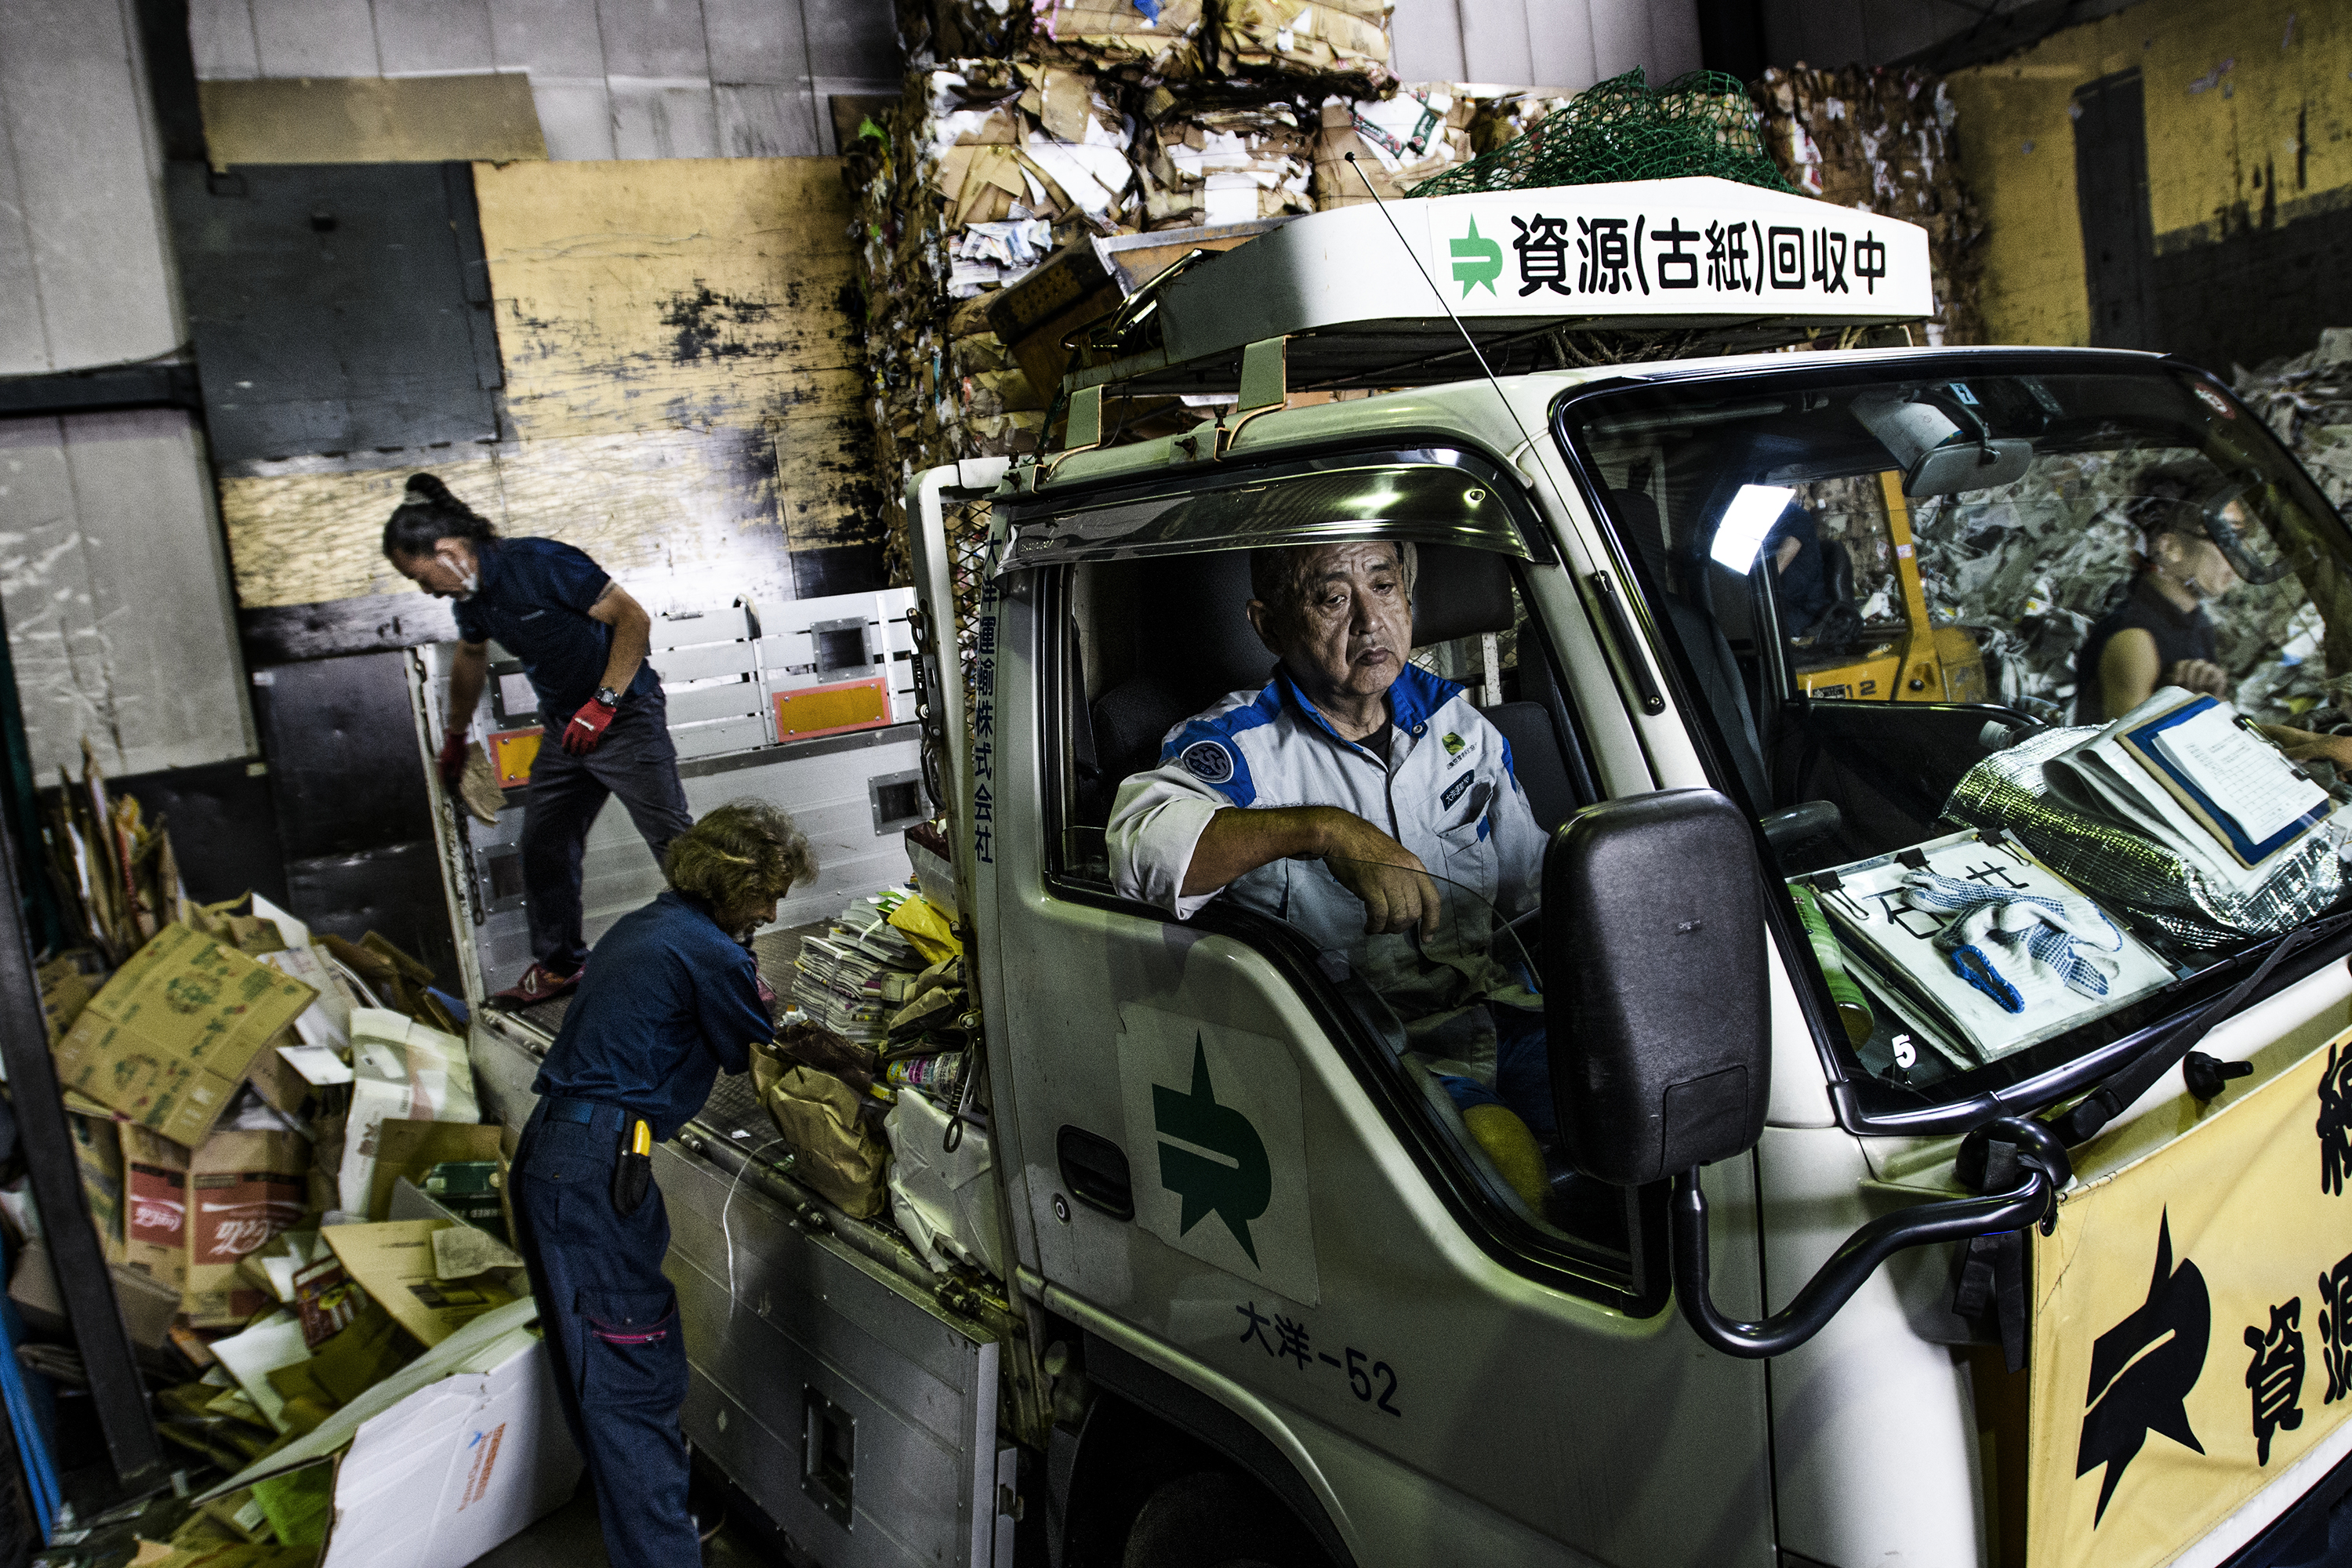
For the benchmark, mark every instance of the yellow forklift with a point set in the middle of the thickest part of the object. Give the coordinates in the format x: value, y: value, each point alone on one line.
x: 1912, y: 661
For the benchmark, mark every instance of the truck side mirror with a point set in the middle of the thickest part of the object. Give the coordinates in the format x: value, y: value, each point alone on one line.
x: 1655, y: 984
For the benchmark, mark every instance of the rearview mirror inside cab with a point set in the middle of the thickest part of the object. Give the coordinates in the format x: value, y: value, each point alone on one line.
x: 1655, y: 984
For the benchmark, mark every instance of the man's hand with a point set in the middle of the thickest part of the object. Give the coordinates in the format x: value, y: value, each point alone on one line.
x: 2198, y: 675
x: 453, y: 756
x: 1398, y: 893
x: 587, y: 727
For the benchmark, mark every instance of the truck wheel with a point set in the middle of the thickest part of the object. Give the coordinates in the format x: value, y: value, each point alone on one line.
x: 1214, y: 1519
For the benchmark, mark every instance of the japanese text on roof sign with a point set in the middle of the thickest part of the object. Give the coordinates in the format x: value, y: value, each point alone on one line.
x: 1529, y: 251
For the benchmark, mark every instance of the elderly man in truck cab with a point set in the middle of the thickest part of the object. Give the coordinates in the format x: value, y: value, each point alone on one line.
x: 1366, y: 803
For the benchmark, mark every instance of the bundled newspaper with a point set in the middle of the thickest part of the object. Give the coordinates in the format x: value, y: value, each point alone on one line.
x: 1398, y: 141
x: 853, y: 978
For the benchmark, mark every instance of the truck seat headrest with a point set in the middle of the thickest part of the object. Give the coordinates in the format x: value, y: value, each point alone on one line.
x: 1460, y: 593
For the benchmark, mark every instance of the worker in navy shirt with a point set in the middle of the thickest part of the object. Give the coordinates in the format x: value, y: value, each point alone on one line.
x: 673, y: 1000
x: 582, y: 640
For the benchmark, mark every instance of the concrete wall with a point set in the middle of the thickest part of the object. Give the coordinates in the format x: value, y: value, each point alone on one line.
x: 612, y: 79
x: 1544, y: 43
x: 111, y: 571
x: 2248, y: 132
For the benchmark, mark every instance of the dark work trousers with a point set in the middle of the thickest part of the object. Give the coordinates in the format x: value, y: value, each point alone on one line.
x: 635, y: 761
x: 612, y: 1321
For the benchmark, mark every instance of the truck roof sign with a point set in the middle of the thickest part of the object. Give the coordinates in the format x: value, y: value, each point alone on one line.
x: 1747, y: 265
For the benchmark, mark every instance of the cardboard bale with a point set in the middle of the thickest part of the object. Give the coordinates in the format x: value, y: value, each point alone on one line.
x: 443, y: 1461
x: 196, y: 1216
x: 1326, y: 41
x: 1157, y: 40
x: 172, y: 1034
x: 1222, y: 166
x: 1398, y: 143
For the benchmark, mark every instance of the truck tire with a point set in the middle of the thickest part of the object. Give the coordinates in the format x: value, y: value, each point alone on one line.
x: 1215, y: 1518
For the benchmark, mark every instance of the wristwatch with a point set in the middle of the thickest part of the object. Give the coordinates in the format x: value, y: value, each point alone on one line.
x: 608, y: 697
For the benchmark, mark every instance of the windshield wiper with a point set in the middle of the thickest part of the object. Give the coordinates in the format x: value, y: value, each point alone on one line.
x: 2090, y: 1115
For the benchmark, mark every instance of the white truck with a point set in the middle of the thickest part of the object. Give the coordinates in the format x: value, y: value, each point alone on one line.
x: 1828, y: 1170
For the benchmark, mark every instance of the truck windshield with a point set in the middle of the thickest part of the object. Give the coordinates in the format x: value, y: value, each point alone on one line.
x: 2036, y: 670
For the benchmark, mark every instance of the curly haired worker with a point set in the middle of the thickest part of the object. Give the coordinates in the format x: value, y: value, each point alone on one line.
x: 583, y: 641
x: 674, y: 998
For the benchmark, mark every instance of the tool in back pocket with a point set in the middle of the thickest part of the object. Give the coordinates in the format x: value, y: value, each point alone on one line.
x: 633, y: 1173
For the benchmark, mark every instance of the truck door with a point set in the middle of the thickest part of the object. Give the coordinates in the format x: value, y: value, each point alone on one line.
x: 1243, y: 1170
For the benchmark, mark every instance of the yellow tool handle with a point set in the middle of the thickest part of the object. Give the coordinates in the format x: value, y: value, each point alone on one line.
x: 641, y: 1137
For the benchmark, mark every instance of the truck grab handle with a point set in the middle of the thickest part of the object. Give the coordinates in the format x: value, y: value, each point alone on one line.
x: 2040, y: 1168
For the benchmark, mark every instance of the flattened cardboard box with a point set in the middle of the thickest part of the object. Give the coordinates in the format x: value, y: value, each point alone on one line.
x: 393, y: 1262
x: 172, y: 1034
x: 444, y: 1459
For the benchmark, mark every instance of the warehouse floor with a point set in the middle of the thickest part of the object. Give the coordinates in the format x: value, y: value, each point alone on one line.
x: 568, y: 1538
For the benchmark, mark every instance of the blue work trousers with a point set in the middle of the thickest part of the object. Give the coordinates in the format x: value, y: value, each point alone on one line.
x: 635, y: 761
x: 611, y: 1320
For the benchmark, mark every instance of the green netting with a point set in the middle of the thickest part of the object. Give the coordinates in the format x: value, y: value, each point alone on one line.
x: 1624, y: 128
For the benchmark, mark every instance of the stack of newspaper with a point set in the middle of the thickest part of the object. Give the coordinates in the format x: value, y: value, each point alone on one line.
x: 851, y: 979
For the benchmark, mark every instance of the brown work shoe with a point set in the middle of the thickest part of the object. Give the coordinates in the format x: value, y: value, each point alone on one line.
x: 539, y: 984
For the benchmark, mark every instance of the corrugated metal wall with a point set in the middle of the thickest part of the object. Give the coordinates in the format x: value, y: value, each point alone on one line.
x: 612, y: 79
x: 1544, y: 43
x: 120, y: 621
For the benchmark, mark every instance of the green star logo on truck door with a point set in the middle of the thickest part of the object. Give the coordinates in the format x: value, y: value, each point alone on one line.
x: 1476, y: 260
x: 1218, y: 1165
x: 1216, y: 1139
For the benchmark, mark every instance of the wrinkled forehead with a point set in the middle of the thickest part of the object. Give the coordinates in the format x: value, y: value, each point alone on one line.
x: 1311, y: 565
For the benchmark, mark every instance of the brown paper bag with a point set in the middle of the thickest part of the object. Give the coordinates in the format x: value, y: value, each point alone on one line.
x: 840, y: 1158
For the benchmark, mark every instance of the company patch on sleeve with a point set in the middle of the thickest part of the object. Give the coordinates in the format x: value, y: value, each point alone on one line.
x: 1209, y: 761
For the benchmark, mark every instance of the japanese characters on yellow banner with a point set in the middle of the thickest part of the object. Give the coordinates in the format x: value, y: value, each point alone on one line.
x: 2190, y: 1338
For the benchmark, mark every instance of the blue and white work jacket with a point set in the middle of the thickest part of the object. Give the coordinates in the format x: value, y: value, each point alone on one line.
x: 1446, y: 793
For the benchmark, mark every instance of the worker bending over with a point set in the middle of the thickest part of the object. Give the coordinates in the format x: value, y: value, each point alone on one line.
x: 582, y: 640
x: 675, y: 998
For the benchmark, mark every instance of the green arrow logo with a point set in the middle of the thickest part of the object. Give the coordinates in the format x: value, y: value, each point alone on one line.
x: 1231, y: 1177
x: 1476, y: 260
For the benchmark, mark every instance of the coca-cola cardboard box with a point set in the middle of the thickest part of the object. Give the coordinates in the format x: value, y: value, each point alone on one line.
x: 193, y: 1216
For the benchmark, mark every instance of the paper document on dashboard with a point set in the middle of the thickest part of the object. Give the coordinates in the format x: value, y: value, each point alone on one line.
x: 2182, y: 770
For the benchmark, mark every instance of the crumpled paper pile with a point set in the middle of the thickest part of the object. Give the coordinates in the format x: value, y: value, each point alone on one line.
x: 1881, y: 140
x: 1418, y: 134
x: 1228, y: 165
x: 978, y: 174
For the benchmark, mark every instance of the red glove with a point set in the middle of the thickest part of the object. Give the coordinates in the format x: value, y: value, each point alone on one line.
x: 587, y: 727
x: 453, y: 758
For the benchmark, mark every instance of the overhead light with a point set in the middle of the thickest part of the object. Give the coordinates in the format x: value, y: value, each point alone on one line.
x: 1749, y: 516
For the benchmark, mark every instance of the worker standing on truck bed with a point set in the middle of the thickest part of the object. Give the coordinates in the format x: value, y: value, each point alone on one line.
x: 1273, y: 797
x: 583, y: 641
x: 675, y: 998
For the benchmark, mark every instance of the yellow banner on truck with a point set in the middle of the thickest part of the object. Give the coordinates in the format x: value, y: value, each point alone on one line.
x: 2190, y: 1339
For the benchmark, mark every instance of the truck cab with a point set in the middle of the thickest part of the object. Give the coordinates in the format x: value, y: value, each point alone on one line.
x: 1871, y: 1204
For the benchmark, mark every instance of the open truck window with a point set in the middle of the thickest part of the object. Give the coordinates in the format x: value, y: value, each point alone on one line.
x: 2037, y: 679
x: 1450, y: 1028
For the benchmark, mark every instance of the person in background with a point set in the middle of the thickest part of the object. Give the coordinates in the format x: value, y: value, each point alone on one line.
x: 1801, y: 585
x: 2159, y: 635
x: 583, y: 642
x: 676, y: 998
